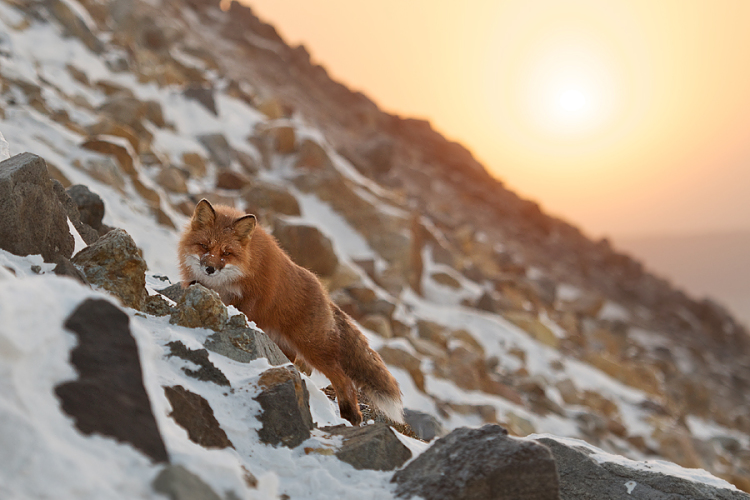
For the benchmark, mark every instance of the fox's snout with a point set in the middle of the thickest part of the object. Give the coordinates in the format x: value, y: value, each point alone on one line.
x: 211, y: 264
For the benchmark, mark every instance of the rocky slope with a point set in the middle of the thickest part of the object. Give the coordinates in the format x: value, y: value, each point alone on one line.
x: 486, y: 309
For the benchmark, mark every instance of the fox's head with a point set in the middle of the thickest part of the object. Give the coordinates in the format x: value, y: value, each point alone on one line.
x: 215, y: 244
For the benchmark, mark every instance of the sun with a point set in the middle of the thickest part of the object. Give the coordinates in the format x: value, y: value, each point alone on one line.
x: 573, y: 102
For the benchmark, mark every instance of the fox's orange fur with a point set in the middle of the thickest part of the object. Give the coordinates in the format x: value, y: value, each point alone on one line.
x: 225, y: 250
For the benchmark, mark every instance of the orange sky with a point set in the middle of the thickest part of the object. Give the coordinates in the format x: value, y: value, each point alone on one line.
x: 622, y: 116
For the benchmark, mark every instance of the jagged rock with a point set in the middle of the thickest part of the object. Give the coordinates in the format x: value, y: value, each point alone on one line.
x: 200, y: 307
x: 115, y: 264
x: 155, y: 305
x: 285, y: 402
x: 228, y: 179
x: 584, y: 478
x: 108, y: 145
x: 283, y: 138
x: 207, y: 371
x: 193, y: 413
x: 126, y: 109
x: 108, y: 397
x: 173, y: 292
x: 480, y: 464
x: 308, y: 247
x: 239, y: 342
x: 178, y: 483
x: 32, y: 219
x: 103, y: 168
x: 267, y: 196
x: 424, y: 425
x: 218, y: 148
x: 371, y: 447
x: 202, y: 94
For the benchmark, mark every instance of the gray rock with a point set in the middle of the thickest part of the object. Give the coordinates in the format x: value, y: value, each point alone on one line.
x: 583, y: 478
x: 480, y: 464
x: 109, y: 398
x: 178, y: 483
x: 32, y: 219
x: 285, y: 402
x: 207, y: 371
x: 372, y: 447
x: 307, y: 247
x: 239, y: 342
x: 424, y: 425
x: 193, y: 413
x: 200, y: 307
x: 204, y: 95
x: 174, y: 292
x: 219, y: 150
x: 115, y: 264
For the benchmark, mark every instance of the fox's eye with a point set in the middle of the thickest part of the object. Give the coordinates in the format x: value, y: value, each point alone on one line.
x: 226, y: 253
x: 204, y: 247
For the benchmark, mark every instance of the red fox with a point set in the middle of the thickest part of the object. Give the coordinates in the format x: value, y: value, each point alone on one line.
x: 227, y: 251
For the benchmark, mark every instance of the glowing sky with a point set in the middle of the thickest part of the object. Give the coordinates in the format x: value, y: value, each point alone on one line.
x: 622, y: 116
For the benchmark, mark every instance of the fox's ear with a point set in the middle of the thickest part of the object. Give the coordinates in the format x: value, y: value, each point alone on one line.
x: 244, y: 226
x: 204, y: 215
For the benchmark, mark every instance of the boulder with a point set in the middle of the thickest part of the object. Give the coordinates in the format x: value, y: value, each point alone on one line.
x: 265, y: 196
x: 172, y: 179
x: 200, y: 307
x: 87, y: 233
x: 115, y: 264
x: 285, y: 402
x: 307, y: 247
x: 480, y: 464
x: 108, y: 397
x: 424, y: 425
x: 227, y: 179
x: 583, y: 477
x: 312, y: 156
x: 371, y: 447
x: 32, y: 218
x: 241, y: 343
x: 193, y: 413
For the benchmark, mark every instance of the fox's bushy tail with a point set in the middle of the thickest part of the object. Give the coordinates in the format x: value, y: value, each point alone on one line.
x: 367, y: 369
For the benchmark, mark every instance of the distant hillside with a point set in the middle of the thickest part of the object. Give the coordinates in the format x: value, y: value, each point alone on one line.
x: 715, y: 265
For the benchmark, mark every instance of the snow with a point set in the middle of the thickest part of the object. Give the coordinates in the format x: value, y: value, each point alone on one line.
x: 4, y: 148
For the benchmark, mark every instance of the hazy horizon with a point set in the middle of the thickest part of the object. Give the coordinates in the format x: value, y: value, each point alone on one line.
x: 623, y: 118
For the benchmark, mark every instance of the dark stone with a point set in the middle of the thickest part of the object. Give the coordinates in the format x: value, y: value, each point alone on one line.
x: 32, y: 219
x: 372, y: 447
x: 193, y: 413
x: 109, y: 397
x: 268, y: 196
x: 480, y: 464
x: 207, y: 371
x: 65, y: 267
x: 115, y: 264
x: 239, y: 342
x: 424, y: 425
x: 583, y: 478
x: 88, y: 234
x: 285, y: 402
x: 204, y: 95
x: 307, y: 247
x: 90, y: 205
x: 178, y: 483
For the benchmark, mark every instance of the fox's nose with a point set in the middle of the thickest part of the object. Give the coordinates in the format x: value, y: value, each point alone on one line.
x: 210, y: 270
